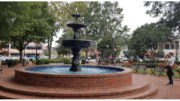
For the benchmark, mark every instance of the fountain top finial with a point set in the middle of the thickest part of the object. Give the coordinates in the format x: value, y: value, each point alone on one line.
x: 76, y: 16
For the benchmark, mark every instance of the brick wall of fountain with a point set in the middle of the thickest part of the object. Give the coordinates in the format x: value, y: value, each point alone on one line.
x: 74, y: 81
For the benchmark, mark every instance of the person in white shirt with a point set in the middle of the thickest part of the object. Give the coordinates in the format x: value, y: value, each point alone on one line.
x: 170, y: 61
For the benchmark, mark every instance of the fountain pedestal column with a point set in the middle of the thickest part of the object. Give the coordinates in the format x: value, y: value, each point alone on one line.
x: 75, y: 62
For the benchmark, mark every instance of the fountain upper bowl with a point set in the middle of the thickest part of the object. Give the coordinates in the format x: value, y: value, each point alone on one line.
x: 75, y: 43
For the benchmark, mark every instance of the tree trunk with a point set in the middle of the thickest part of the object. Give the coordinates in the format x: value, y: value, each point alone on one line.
x: 86, y: 54
x: 49, y: 47
x: 20, y: 51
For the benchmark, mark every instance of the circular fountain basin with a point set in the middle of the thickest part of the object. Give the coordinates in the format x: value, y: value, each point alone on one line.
x: 65, y: 70
x: 76, y: 43
x: 115, y: 77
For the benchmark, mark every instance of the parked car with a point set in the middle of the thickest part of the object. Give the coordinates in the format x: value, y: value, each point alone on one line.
x: 89, y: 58
x: 146, y: 59
x: 162, y: 59
x: 124, y: 58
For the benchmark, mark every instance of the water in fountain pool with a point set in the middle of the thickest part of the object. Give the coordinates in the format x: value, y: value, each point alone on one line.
x: 65, y: 70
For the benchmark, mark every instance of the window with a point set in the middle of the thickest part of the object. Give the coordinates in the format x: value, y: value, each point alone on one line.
x: 33, y: 47
x: 172, y: 46
x: 161, y: 46
x: 166, y: 46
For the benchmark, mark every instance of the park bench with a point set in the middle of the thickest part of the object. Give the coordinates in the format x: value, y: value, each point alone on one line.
x: 134, y: 67
x: 142, y: 68
x: 158, y: 69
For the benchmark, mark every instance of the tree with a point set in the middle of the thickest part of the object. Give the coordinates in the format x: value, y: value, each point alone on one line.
x: 147, y: 37
x: 102, y: 19
x: 62, y: 50
x: 117, y: 52
x: 167, y: 10
x: 160, y: 52
x: 25, y: 24
x: 130, y: 53
x: 102, y: 45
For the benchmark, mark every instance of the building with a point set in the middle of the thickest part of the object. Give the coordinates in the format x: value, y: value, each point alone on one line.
x: 30, y: 50
x: 123, y: 52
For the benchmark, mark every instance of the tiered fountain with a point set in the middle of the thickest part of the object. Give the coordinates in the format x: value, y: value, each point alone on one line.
x: 46, y: 81
x: 75, y: 44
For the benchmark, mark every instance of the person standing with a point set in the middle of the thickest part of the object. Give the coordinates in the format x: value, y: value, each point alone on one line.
x: 170, y: 61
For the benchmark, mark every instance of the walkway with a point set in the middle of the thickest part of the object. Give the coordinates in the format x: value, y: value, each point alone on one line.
x: 164, y: 91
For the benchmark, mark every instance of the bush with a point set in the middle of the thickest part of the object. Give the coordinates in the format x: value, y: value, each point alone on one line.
x: 67, y: 61
x: 44, y: 61
x: 118, y: 61
x: 177, y: 62
x: 131, y: 62
x: 178, y: 70
x: 160, y: 61
x: 149, y: 65
x: 126, y: 64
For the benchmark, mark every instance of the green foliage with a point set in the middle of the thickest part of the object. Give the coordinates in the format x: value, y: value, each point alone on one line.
x: 178, y: 70
x: 130, y: 53
x: 118, y: 61
x: 117, y: 52
x: 83, y: 53
x: 107, y: 40
x: 61, y: 56
x: 25, y: 22
x: 47, y: 61
x: 167, y: 10
x: 103, y: 18
x: 67, y: 61
x: 147, y: 37
x: 177, y: 62
x: 62, y: 50
x: 149, y: 65
x: 160, y: 52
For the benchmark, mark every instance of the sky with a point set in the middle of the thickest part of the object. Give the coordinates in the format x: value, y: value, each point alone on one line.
x: 134, y: 16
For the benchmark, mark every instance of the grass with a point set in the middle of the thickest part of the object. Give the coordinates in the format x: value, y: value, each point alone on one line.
x: 148, y: 71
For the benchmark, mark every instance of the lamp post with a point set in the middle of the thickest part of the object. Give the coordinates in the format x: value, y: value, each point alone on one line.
x: 107, y: 51
x: 113, y: 36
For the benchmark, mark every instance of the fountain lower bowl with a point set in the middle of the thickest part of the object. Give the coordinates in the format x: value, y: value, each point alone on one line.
x: 76, y: 43
x: 110, y: 80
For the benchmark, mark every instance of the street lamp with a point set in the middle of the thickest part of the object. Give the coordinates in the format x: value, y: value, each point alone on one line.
x: 107, y: 51
x: 113, y: 36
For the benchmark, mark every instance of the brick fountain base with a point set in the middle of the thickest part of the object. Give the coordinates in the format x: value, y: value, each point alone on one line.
x: 28, y: 85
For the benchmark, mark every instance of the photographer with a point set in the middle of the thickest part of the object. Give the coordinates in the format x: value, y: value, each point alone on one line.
x: 170, y: 61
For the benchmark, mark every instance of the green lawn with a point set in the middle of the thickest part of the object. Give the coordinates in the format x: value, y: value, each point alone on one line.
x: 148, y: 71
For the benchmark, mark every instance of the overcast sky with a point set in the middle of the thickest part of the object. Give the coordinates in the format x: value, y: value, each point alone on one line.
x: 134, y: 16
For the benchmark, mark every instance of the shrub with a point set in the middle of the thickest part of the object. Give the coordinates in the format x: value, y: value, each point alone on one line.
x: 149, y: 65
x: 126, y: 64
x: 160, y: 61
x: 61, y: 56
x: 161, y: 64
x: 118, y: 61
x: 177, y: 62
x: 131, y: 62
x: 178, y: 70
x: 31, y: 60
x: 67, y: 61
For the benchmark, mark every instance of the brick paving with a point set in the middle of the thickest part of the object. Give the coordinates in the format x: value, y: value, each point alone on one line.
x: 164, y: 91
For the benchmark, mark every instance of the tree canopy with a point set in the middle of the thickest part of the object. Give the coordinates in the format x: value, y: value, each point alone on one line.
x: 24, y: 21
x: 167, y: 10
x: 147, y: 37
x: 160, y: 52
